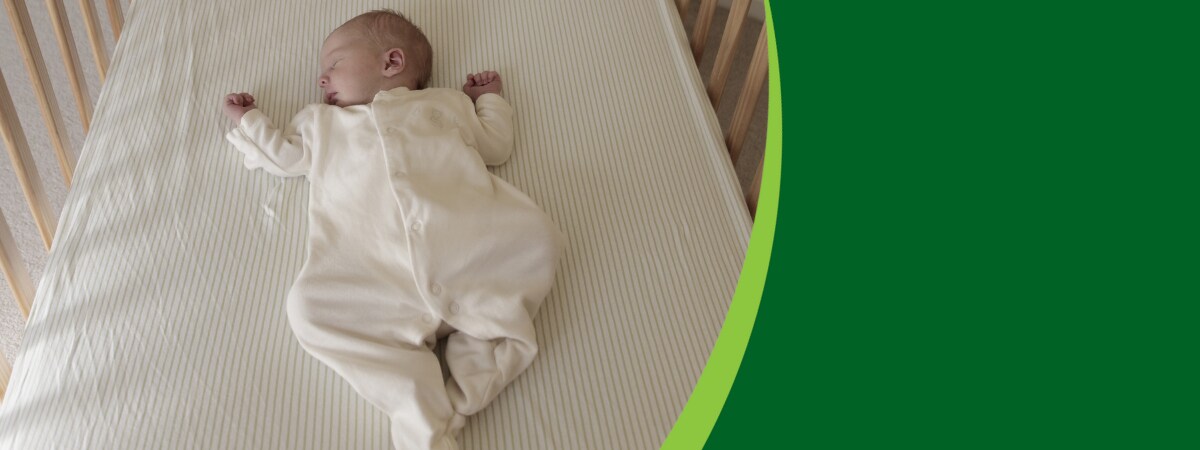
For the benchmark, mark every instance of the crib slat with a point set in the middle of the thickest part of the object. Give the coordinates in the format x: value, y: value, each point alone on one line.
x: 115, y: 18
x: 752, y: 193
x: 14, y: 269
x: 700, y: 30
x: 683, y: 8
x: 32, y: 52
x: 748, y: 98
x: 95, y: 37
x: 720, y: 73
x: 24, y: 166
x: 5, y: 374
x: 70, y: 57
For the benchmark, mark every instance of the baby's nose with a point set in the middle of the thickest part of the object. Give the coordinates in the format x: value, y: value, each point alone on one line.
x: 321, y: 82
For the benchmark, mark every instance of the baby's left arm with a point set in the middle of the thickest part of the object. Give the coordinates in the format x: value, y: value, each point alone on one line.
x: 493, y: 128
x: 486, y: 82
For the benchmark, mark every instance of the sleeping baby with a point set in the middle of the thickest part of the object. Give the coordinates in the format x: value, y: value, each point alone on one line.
x: 410, y: 238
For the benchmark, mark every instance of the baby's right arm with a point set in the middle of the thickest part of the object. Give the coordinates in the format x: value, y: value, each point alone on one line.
x: 285, y: 153
x: 236, y: 106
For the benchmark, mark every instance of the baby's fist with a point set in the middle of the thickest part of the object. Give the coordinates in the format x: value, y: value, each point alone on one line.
x: 482, y: 83
x: 236, y: 106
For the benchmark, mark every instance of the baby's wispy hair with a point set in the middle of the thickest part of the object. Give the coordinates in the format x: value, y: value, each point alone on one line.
x: 386, y: 29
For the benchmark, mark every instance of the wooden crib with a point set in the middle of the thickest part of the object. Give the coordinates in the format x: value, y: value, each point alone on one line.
x: 14, y: 136
x: 45, y: 219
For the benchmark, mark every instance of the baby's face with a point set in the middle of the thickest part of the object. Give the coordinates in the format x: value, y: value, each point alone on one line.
x: 351, y: 69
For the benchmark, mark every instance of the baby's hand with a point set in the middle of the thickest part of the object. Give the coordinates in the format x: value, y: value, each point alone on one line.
x: 236, y: 106
x: 482, y: 83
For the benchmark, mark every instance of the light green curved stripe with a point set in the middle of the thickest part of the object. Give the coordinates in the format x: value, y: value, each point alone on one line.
x: 696, y: 421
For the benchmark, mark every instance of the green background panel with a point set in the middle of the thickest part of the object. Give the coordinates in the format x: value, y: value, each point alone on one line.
x: 987, y: 230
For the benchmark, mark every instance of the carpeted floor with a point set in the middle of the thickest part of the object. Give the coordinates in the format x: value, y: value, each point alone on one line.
x: 12, y: 201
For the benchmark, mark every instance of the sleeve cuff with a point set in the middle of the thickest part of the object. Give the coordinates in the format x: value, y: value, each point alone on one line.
x: 492, y: 100
x: 252, y: 118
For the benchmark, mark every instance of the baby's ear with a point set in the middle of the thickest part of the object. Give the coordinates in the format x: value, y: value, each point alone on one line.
x: 393, y: 63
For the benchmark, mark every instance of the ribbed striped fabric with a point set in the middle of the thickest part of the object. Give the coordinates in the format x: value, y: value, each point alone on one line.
x: 159, y: 321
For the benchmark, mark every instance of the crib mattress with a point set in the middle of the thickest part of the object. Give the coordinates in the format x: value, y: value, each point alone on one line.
x: 159, y: 321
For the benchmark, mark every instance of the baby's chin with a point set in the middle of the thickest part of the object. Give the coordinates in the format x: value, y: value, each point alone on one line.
x: 340, y: 103
x: 335, y: 99
x: 343, y: 99
x: 329, y: 99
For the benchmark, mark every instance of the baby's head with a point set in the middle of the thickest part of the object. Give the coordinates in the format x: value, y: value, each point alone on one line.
x: 373, y: 52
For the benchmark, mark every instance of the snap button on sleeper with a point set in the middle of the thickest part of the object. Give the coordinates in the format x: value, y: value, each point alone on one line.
x: 436, y: 290
x: 416, y: 226
x: 454, y: 308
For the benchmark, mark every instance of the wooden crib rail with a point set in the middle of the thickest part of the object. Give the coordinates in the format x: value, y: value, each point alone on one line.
x: 24, y: 167
x: 115, y: 17
x: 5, y: 373
x: 11, y: 263
x: 735, y: 135
x: 22, y: 287
x: 94, y: 36
x: 39, y: 79
x: 18, y: 15
x: 10, y: 127
x: 14, y: 269
x: 70, y: 56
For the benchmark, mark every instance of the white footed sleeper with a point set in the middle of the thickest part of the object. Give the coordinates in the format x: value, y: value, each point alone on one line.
x: 409, y: 237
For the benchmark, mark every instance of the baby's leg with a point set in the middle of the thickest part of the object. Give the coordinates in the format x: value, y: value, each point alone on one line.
x: 486, y: 354
x: 384, y: 359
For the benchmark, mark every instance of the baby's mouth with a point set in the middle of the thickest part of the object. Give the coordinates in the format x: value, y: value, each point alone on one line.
x: 330, y: 98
